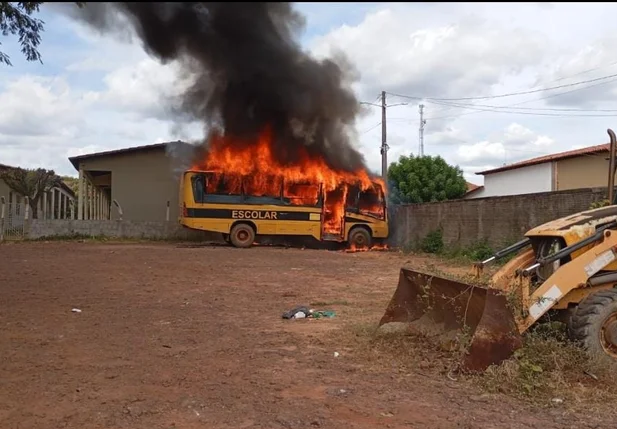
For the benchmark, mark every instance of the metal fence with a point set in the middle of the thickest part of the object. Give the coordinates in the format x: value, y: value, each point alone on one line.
x: 13, y: 218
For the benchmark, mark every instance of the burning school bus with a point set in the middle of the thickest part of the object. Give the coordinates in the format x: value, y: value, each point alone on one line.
x: 245, y: 193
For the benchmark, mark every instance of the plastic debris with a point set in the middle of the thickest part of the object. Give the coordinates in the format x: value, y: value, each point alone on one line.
x: 336, y: 354
x: 325, y: 313
x: 299, y: 312
x: 303, y: 312
x: 76, y: 310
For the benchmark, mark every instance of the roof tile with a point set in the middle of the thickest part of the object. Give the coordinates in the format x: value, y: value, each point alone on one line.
x: 552, y: 157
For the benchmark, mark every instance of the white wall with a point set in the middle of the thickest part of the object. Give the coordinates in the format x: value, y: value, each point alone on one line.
x: 478, y: 193
x: 524, y: 180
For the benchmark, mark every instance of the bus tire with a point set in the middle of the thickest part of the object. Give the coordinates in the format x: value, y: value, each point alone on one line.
x: 242, y: 235
x: 360, y: 238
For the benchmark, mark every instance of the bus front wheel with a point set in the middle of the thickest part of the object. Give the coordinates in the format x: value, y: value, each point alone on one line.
x: 360, y: 238
x: 242, y: 235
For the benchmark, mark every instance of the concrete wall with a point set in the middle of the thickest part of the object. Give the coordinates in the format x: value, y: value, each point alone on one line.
x: 525, y: 180
x: 582, y: 172
x: 114, y: 228
x: 142, y: 182
x: 499, y: 220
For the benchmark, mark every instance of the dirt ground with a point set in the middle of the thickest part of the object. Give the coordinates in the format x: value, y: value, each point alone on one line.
x: 173, y: 336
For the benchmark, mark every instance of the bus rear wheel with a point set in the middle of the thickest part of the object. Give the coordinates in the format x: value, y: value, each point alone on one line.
x: 242, y: 235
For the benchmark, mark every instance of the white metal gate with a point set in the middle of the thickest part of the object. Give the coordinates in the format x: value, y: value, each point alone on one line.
x: 12, y: 220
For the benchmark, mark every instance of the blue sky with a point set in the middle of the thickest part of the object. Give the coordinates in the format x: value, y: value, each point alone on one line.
x: 96, y: 92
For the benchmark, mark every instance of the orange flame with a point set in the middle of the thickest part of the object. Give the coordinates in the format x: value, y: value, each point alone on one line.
x: 252, y: 165
x: 376, y: 247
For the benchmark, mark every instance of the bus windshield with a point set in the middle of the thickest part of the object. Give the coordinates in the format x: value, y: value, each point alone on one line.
x: 369, y: 202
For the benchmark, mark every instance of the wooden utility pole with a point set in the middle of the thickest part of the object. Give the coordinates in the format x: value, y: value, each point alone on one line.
x: 611, y: 167
x: 384, y: 145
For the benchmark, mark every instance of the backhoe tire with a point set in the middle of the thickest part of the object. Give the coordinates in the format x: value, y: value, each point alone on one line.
x: 360, y: 238
x: 242, y: 236
x: 593, y: 325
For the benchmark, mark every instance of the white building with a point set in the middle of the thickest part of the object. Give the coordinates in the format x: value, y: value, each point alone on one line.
x: 574, y: 169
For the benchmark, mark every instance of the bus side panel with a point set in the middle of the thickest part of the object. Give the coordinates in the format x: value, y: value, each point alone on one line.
x: 268, y: 220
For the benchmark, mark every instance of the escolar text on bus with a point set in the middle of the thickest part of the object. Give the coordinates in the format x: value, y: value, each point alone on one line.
x: 253, y: 214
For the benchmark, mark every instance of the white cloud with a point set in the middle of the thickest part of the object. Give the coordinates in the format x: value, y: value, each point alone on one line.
x: 591, y: 75
x: 144, y: 88
x: 464, y: 57
x: 513, y: 144
x: 38, y: 105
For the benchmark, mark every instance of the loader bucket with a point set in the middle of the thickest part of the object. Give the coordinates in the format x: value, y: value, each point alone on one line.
x: 436, y: 306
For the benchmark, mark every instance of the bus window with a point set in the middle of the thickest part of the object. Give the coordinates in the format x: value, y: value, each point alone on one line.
x: 301, y: 194
x: 353, y: 195
x: 222, y: 188
x: 198, y: 187
x: 371, y: 202
x: 223, y: 184
x: 262, y: 186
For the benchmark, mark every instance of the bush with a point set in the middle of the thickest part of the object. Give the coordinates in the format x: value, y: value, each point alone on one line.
x: 598, y: 204
x: 433, y: 242
x: 478, y: 251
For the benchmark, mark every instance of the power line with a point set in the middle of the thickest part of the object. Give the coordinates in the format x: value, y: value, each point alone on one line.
x: 544, y: 97
x: 528, y: 101
x: 372, y: 128
x: 525, y: 108
x: 448, y: 107
x: 586, y: 71
x: 496, y: 109
x: 511, y: 94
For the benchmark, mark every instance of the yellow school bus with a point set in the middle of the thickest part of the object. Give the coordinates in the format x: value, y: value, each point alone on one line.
x: 243, y: 207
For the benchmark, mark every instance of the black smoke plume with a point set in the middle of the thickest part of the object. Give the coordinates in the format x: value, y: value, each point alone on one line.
x: 247, y: 71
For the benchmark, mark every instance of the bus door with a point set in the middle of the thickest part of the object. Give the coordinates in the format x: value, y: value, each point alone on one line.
x: 333, y: 214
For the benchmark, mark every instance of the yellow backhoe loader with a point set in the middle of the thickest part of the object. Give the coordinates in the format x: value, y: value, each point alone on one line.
x: 566, y: 267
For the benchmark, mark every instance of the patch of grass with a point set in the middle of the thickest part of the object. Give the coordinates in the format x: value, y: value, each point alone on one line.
x: 397, y: 352
x: 549, y: 366
x: 328, y: 303
x: 433, y: 244
x: 72, y: 237
x: 547, y: 371
x: 110, y: 239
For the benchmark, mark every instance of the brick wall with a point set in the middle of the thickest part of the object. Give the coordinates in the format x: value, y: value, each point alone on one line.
x: 38, y: 228
x: 499, y: 220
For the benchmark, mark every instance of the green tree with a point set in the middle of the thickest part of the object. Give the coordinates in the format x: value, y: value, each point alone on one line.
x: 31, y: 183
x: 16, y: 20
x: 425, y: 179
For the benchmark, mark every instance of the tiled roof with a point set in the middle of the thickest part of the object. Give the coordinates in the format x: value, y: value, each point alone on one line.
x: 476, y: 189
x: 471, y: 187
x: 553, y: 157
